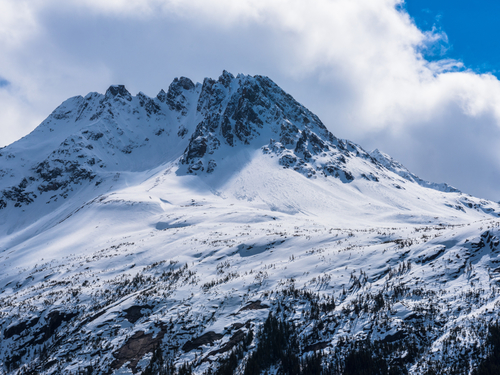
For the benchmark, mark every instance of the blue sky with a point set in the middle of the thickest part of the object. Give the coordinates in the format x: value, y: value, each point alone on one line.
x: 472, y: 27
x: 357, y: 64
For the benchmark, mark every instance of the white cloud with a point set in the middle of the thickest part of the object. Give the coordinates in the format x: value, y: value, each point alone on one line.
x: 15, y: 115
x: 370, y: 44
x: 17, y: 22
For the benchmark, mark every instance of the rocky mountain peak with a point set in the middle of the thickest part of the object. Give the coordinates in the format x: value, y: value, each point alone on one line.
x: 162, y: 96
x: 226, y: 78
x: 201, y: 126
x: 118, y: 91
x: 175, y: 98
x: 254, y: 112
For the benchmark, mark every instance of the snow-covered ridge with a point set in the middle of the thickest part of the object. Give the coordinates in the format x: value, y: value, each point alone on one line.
x: 235, y: 133
x: 398, y: 168
x: 87, y: 138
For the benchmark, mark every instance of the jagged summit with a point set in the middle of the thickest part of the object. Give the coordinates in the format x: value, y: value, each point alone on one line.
x: 250, y: 110
x: 118, y: 91
x: 217, y: 128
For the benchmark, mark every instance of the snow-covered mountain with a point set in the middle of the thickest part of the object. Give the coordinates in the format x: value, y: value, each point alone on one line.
x: 134, y: 229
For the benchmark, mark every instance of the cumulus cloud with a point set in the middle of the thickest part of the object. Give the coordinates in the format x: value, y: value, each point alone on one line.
x: 358, y: 64
x: 17, y: 23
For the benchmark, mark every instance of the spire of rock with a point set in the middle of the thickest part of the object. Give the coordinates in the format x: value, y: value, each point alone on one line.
x: 118, y: 91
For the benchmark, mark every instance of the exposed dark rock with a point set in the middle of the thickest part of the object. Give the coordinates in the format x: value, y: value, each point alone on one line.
x: 335, y: 171
x: 90, y: 135
x: 182, y: 132
x: 175, y: 95
x: 59, y: 174
x: 196, y: 149
x: 256, y: 305
x: 227, y: 131
x: 226, y: 78
x: 207, y: 338
x: 431, y: 257
x: 128, y: 149
x: 134, y: 313
x: 235, y: 339
x: 372, y: 177
x: 395, y: 337
x: 162, y: 96
x: 61, y: 116
x: 315, y: 347
x: 301, y: 147
x: 23, y: 184
x: 288, y: 160
x: 19, y: 328
x: 135, y: 348
x: 288, y: 133
x: 52, y: 322
x: 185, y: 83
x: 196, y: 167
x: 238, y: 113
x: 238, y: 325
x: 118, y: 91
x: 148, y: 104
x: 18, y: 195
x: 211, y: 166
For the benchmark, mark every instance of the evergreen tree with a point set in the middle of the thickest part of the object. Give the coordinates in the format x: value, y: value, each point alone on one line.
x: 491, y: 365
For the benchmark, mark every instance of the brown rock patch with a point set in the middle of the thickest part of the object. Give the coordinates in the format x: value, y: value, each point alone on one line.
x: 135, y: 348
x: 257, y: 305
x: 207, y: 338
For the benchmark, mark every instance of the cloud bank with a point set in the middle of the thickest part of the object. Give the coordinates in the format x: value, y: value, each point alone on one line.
x: 358, y: 64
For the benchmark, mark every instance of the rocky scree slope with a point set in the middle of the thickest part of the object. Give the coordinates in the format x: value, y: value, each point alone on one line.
x: 165, y: 234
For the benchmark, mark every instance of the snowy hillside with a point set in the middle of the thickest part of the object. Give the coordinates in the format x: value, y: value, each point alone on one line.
x: 142, y: 233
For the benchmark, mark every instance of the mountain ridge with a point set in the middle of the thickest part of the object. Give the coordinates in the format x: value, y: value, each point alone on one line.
x: 225, y: 115
x: 166, y: 234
